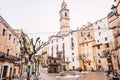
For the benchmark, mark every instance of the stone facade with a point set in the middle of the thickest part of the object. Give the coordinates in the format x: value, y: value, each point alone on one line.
x: 9, y: 51
x: 103, y: 43
x: 86, y: 41
x: 114, y: 25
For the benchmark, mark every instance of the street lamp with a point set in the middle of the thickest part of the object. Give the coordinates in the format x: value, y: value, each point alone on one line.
x: 114, y: 10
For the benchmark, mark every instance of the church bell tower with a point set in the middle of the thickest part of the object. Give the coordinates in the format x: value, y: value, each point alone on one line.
x: 64, y: 19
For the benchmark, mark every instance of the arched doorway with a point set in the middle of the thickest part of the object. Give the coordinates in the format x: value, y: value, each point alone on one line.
x: 55, y: 69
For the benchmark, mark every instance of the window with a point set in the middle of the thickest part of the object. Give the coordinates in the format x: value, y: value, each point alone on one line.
x: 57, y: 48
x: 72, y: 45
x: 63, y: 47
x: 71, y: 39
x: 54, y: 61
x: 98, y: 27
x: 106, y: 39
x: 83, y: 45
x: 73, y: 59
x: 98, y: 54
x: 9, y: 36
x: 73, y: 67
x: 107, y: 45
x: 81, y: 34
x: 72, y: 53
x: 4, y: 32
x: 8, y: 50
x: 97, y: 40
x: 65, y: 14
x: 99, y: 33
x: 89, y: 63
x: 16, y: 54
x: 14, y: 40
x: 52, y: 51
x: 99, y: 61
x: 86, y: 44
x: 98, y: 46
x: 88, y: 34
x: 91, y: 37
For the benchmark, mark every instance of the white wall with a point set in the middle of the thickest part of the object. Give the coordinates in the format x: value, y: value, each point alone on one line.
x: 68, y: 52
x: 103, y: 32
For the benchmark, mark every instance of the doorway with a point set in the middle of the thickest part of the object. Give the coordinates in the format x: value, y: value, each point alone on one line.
x: 64, y: 67
x: 55, y: 70
x: 5, y: 69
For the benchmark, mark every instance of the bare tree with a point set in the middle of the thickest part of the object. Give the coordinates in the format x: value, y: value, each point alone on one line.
x: 26, y: 48
x: 82, y: 57
x: 108, y: 55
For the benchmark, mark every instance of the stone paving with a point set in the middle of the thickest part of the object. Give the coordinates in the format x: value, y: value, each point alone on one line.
x: 94, y: 76
x: 79, y: 76
x: 87, y: 76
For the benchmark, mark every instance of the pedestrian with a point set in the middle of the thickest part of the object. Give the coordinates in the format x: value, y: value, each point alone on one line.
x: 32, y: 76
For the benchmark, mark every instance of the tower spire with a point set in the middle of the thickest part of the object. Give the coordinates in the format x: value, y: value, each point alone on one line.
x: 64, y: 5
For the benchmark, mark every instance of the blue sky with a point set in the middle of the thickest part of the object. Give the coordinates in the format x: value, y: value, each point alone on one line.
x: 38, y: 16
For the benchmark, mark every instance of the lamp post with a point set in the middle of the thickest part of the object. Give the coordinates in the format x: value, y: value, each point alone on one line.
x: 114, y: 10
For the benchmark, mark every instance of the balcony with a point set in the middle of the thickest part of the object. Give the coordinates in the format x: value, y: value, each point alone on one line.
x: 8, y: 57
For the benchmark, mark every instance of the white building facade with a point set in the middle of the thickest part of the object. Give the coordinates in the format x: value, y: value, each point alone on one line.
x: 104, y: 42
x: 68, y: 46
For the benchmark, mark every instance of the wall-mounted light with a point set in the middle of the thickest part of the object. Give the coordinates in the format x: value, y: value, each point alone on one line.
x: 114, y: 10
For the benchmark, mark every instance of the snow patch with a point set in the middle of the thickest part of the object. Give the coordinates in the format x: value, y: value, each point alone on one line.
x: 68, y: 76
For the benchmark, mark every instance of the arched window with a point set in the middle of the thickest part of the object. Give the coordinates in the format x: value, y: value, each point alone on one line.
x: 65, y: 14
